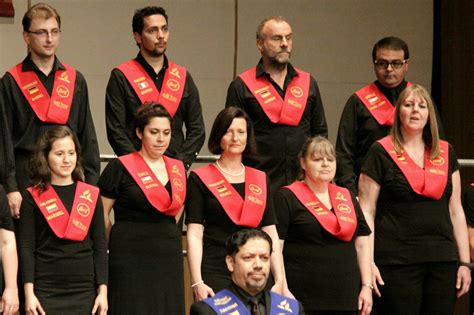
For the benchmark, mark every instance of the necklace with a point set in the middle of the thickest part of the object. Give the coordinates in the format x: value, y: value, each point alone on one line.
x: 229, y: 173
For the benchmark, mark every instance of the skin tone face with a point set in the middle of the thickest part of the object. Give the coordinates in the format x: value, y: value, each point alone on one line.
x: 153, y: 39
x: 155, y: 137
x: 235, y: 139
x: 319, y: 168
x: 44, y: 40
x: 390, y: 77
x: 277, y: 42
x: 62, y: 160
x: 250, y: 267
x: 413, y: 113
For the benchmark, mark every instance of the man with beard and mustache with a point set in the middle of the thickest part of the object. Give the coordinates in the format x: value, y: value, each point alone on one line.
x: 151, y: 76
x: 368, y: 113
x: 283, y: 103
x: 248, y: 260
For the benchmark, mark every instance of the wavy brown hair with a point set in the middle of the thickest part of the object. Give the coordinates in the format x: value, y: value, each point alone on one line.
x: 40, y: 171
x: 430, y: 131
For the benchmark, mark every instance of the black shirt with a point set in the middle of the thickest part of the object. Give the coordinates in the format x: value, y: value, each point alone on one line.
x: 264, y: 302
x: 203, y: 208
x: 409, y: 228
x: 317, y: 263
x: 6, y: 221
x: 45, y: 257
x: 21, y: 128
x: 278, y: 145
x: 358, y: 130
x: 121, y: 104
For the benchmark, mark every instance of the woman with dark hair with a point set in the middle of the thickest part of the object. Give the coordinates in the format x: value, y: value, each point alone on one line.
x: 324, y: 237
x: 62, y: 241
x: 146, y: 189
x: 225, y: 197
x: 409, y: 190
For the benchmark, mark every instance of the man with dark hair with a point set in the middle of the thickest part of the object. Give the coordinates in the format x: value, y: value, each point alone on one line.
x: 39, y: 93
x: 248, y: 260
x: 152, y: 77
x: 368, y: 113
x: 283, y: 103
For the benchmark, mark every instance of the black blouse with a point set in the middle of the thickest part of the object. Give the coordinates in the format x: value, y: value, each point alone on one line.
x: 203, y: 208
x: 44, y: 256
x: 409, y: 228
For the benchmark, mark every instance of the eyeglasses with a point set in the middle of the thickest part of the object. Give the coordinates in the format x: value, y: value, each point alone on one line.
x: 383, y: 64
x: 44, y: 33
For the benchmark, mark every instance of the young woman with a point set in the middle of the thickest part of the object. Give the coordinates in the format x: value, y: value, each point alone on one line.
x: 410, y: 193
x: 62, y: 240
x: 146, y: 190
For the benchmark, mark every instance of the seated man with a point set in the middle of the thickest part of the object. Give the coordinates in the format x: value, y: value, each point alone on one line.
x: 248, y: 260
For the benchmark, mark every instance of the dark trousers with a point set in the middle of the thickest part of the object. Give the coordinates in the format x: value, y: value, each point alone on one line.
x: 426, y: 288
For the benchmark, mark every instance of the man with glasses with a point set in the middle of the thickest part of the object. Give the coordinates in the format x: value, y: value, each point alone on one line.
x: 368, y: 114
x: 151, y: 76
x: 38, y: 93
x: 283, y: 103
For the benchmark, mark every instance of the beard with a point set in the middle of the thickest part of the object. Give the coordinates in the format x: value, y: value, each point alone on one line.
x: 156, y: 52
x: 280, y: 60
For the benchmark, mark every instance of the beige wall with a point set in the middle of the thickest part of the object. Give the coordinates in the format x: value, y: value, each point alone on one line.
x: 332, y: 39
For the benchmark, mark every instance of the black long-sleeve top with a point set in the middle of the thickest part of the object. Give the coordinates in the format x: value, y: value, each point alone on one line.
x: 21, y: 128
x: 44, y: 256
x: 278, y: 145
x: 121, y: 104
x: 6, y: 221
x: 358, y: 130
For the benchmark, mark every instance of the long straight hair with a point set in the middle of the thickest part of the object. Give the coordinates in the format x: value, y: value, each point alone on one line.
x: 430, y: 131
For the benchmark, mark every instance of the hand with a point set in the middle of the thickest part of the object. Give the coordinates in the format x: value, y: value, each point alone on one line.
x: 10, y: 302
x: 463, y: 280
x: 101, y: 303
x: 14, y: 201
x: 33, y: 306
x: 376, y: 278
x: 202, y: 291
x: 365, y: 300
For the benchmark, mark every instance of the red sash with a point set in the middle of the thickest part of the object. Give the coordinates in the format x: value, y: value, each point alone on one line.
x: 429, y: 182
x: 248, y: 212
x: 154, y: 191
x: 284, y: 112
x: 146, y: 90
x: 73, y: 226
x: 54, y: 109
x: 378, y: 105
x: 343, y: 222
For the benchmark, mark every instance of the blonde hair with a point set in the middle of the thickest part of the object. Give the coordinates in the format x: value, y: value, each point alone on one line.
x: 315, y: 146
x: 430, y: 131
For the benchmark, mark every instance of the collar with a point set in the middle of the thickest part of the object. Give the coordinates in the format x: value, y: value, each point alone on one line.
x: 245, y: 297
x: 396, y: 90
x: 260, y: 70
x: 29, y: 65
x: 149, y: 69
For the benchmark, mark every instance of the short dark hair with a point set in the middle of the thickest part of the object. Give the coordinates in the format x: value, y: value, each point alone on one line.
x: 141, y: 14
x: 40, y: 10
x: 146, y: 113
x: 261, y: 25
x: 392, y: 43
x: 40, y: 171
x: 221, y: 124
x: 240, y: 238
